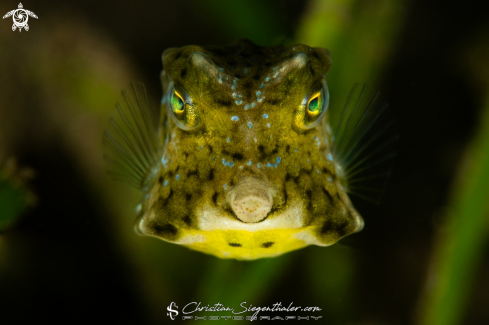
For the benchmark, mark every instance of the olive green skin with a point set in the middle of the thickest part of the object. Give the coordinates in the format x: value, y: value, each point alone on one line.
x: 232, y: 139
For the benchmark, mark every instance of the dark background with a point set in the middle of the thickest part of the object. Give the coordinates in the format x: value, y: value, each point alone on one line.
x: 73, y: 258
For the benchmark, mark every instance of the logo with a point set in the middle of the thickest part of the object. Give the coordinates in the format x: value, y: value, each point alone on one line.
x: 171, y: 311
x: 20, y: 17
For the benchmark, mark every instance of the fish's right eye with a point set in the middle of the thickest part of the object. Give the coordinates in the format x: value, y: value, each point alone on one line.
x: 177, y: 103
x: 181, y: 109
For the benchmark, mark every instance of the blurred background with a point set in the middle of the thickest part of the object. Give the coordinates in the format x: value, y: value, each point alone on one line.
x: 68, y: 252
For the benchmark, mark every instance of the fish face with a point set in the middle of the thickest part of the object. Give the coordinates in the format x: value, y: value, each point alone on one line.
x: 246, y: 168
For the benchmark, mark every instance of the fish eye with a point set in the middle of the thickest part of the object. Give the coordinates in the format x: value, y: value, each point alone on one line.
x: 177, y: 103
x: 313, y: 108
x: 181, y: 108
x: 315, y: 104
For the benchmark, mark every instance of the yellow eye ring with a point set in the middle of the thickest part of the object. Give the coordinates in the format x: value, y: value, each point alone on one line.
x: 177, y: 102
x: 181, y: 108
x: 315, y: 104
x: 313, y: 108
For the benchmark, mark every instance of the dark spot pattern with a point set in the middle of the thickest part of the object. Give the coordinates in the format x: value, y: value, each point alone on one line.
x: 187, y: 220
x: 268, y: 244
x: 183, y: 74
x: 328, y: 195
x: 237, y: 156
x: 273, y: 101
x: 235, y: 245
x: 166, y: 230
x: 226, y: 102
x: 331, y: 228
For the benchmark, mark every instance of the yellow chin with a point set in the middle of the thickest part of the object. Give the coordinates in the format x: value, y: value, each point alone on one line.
x: 248, y: 245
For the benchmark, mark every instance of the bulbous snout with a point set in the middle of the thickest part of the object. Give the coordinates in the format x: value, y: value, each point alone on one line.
x: 251, y: 200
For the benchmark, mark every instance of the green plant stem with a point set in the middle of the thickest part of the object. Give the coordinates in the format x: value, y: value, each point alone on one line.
x: 460, y: 246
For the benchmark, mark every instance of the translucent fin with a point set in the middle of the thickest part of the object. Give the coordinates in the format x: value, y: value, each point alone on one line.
x: 131, y: 143
x: 365, y: 144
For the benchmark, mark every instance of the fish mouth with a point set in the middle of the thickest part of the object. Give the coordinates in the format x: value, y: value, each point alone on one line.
x: 251, y: 200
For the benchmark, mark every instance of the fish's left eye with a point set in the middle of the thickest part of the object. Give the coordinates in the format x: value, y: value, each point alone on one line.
x: 315, y: 105
x: 313, y: 108
x: 181, y: 108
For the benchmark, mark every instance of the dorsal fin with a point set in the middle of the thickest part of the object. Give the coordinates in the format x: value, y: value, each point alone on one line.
x: 365, y: 143
x: 132, y: 148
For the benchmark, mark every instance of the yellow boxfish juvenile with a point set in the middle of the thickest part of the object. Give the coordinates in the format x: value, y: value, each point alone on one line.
x: 241, y: 160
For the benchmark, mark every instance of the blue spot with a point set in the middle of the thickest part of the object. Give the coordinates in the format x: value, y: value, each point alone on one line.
x: 249, y: 163
x: 268, y: 125
x: 221, y: 69
x: 227, y: 163
x: 213, y: 158
x: 240, y: 96
x: 262, y: 85
x: 220, y: 80
x: 250, y: 124
x: 177, y: 177
x: 235, y: 118
x: 164, y: 160
x: 228, y: 140
x: 200, y: 148
x: 276, y: 163
x: 265, y: 115
x: 233, y: 87
x: 329, y: 179
x: 253, y: 104
x: 224, y: 186
x: 234, y: 95
x: 267, y: 79
x: 258, y: 165
x: 247, y: 106
x: 274, y: 68
x: 259, y: 99
x: 330, y: 157
x: 275, y: 74
x: 165, y: 183
x: 239, y: 102
x: 258, y: 93
x: 232, y: 67
x: 318, y: 171
x: 296, y: 149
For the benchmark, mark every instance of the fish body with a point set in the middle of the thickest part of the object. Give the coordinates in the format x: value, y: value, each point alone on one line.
x: 241, y: 162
